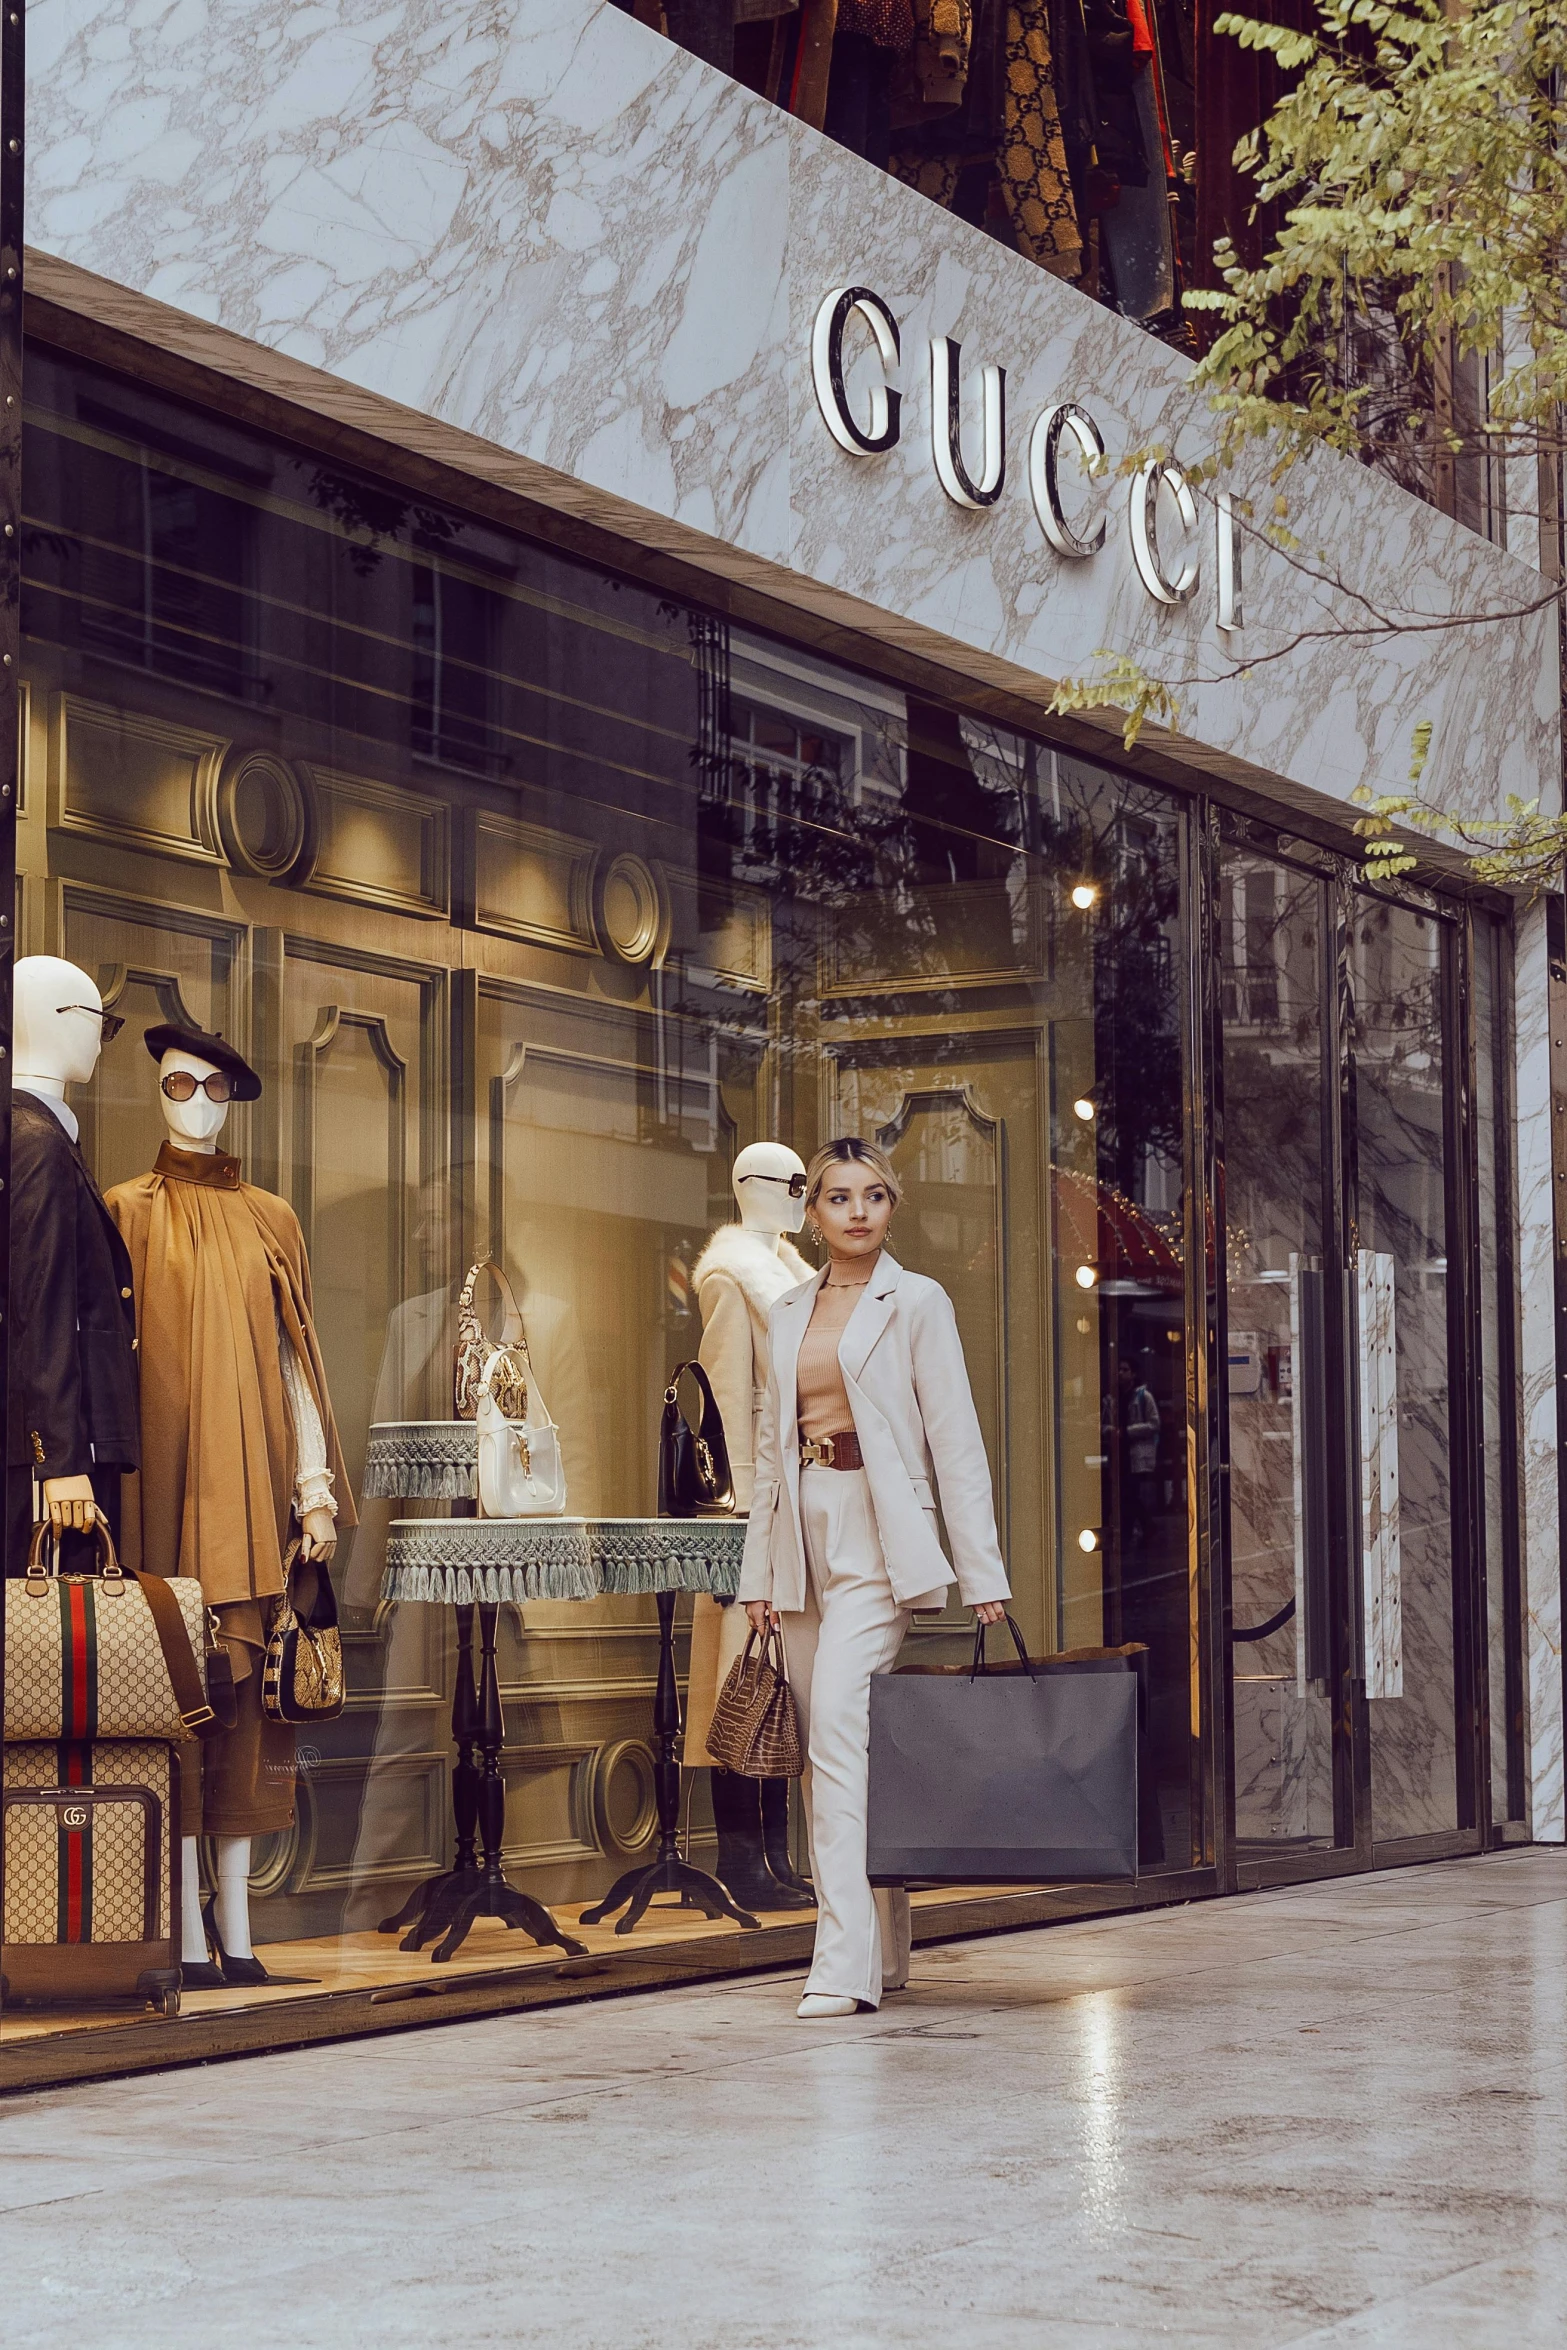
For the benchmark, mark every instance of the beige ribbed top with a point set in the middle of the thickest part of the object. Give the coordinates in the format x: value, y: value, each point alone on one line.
x: 823, y: 1398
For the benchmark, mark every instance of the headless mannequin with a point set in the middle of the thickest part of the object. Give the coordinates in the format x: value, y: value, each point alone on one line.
x: 57, y: 1042
x: 740, y: 1274
x: 195, y: 1126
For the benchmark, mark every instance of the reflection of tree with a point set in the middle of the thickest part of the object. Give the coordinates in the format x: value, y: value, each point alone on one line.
x: 1117, y: 838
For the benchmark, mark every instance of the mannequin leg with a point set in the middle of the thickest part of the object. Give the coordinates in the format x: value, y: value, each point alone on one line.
x: 233, y: 1904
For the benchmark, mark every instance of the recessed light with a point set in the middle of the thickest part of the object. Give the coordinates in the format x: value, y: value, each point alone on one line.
x: 1085, y: 1276
x: 1083, y: 1107
x: 1083, y: 896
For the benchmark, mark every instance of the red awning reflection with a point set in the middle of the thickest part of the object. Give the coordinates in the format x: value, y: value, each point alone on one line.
x: 1099, y: 1226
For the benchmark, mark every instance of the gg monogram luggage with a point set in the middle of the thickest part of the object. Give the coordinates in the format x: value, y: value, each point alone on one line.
x: 92, y: 1871
x: 103, y: 1685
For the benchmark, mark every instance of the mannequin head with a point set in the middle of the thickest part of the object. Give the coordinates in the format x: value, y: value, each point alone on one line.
x: 58, y: 1021
x: 195, y: 1125
x: 761, y: 1181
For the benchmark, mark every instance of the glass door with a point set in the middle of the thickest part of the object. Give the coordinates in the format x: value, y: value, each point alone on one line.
x: 1290, y: 1658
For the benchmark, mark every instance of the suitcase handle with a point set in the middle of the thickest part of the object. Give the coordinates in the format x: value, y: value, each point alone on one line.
x: 980, y: 1666
x: 178, y: 1656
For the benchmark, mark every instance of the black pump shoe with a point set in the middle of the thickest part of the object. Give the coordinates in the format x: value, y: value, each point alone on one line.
x: 199, y: 1974
x: 245, y: 1971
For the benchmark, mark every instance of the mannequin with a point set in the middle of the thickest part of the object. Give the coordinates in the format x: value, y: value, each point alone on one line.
x: 73, y: 1418
x: 739, y: 1277
x: 239, y: 1447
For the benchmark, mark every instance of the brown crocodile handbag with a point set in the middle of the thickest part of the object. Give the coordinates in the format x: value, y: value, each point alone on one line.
x: 755, y: 1730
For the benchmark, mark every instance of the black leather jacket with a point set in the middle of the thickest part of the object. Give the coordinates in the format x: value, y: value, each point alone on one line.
x: 73, y: 1317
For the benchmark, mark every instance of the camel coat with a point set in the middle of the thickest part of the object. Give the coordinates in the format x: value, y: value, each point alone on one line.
x: 217, y: 1267
x: 908, y: 1388
x: 738, y: 1279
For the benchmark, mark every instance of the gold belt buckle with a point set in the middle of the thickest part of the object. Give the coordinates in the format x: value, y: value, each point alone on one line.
x: 819, y: 1452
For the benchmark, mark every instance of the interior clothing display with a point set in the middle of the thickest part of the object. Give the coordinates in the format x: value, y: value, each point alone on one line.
x: 738, y: 1279
x: 913, y: 1408
x: 992, y: 151
x: 219, y: 1268
x: 1136, y: 231
x: 850, y: 1628
x: 237, y: 1434
x: 73, y: 1407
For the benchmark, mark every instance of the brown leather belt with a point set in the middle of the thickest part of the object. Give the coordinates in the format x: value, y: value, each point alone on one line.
x: 839, y: 1451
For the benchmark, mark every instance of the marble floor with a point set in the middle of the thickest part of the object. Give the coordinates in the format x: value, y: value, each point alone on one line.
x: 1332, y: 2115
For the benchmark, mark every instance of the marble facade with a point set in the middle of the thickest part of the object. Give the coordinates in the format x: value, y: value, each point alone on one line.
x: 545, y: 242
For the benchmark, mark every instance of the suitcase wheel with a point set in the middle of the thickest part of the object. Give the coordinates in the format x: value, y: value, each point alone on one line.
x: 167, y: 2002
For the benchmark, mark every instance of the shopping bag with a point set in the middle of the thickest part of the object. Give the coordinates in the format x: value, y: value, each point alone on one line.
x: 994, y: 1777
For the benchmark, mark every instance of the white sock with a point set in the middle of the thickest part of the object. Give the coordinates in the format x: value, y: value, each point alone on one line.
x: 233, y: 1906
x: 193, y: 1934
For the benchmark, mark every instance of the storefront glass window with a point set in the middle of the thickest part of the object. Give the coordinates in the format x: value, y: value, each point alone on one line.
x: 533, y: 896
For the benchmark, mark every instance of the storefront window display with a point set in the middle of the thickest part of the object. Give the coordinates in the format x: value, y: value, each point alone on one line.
x: 532, y: 898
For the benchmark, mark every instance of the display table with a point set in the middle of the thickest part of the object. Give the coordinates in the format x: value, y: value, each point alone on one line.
x: 473, y: 1564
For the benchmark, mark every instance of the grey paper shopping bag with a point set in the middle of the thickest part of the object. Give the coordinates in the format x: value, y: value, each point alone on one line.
x: 989, y: 1777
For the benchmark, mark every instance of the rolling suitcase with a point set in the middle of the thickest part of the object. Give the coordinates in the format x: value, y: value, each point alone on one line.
x: 92, y: 1871
x: 103, y: 1688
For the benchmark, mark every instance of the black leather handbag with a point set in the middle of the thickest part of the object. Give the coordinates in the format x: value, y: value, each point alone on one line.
x: 302, y: 1670
x: 694, y: 1480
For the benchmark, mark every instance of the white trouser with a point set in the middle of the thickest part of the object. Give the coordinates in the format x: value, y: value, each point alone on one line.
x: 850, y: 1627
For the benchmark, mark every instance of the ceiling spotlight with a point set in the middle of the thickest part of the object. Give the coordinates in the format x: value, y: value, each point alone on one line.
x: 1083, y: 896
x: 1085, y: 1276
x: 1088, y: 1539
x: 1083, y: 1107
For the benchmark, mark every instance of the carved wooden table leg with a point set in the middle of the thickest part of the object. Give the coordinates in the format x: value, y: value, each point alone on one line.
x: 668, y: 1872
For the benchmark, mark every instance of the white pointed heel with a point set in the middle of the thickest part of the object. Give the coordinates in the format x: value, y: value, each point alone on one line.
x: 817, y: 2004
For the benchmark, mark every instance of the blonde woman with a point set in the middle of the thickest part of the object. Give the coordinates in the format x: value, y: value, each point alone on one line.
x: 867, y: 1403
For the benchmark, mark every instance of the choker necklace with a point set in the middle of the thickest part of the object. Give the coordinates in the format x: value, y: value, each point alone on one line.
x: 865, y: 1284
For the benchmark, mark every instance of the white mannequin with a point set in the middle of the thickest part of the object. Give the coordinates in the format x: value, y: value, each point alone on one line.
x: 761, y: 1188
x: 58, y: 1036
x: 195, y: 1126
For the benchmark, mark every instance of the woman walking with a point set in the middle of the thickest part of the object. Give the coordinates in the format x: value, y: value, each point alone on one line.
x: 867, y: 1399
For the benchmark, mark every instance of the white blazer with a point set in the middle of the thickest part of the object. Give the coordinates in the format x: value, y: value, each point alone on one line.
x: 907, y: 1383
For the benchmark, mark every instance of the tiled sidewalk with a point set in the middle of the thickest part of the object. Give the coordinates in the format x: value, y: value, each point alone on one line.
x: 1332, y: 2115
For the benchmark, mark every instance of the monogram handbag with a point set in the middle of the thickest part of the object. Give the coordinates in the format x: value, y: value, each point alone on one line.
x: 302, y: 1670
x: 476, y: 1351
x: 111, y: 1655
x: 521, y: 1474
x: 755, y: 1730
x: 693, y: 1463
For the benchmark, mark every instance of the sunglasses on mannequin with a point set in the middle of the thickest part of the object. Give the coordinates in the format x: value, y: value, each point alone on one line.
x: 182, y: 1085
x: 113, y: 1022
x: 796, y: 1183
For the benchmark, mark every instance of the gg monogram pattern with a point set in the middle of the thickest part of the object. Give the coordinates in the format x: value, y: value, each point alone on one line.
x: 77, y: 1862
x: 83, y: 1659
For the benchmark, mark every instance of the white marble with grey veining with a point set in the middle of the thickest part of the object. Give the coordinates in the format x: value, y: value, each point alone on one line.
x: 547, y: 226
x: 1541, y: 1541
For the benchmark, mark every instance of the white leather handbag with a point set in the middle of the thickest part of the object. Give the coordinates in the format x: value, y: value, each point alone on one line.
x: 520, y: 1470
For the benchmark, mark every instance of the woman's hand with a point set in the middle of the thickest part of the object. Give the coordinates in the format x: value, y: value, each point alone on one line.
x: 762, y: 1613
x: 990, y: 1611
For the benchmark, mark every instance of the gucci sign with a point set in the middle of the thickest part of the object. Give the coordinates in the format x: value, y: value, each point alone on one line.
x: 1063, y: 427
